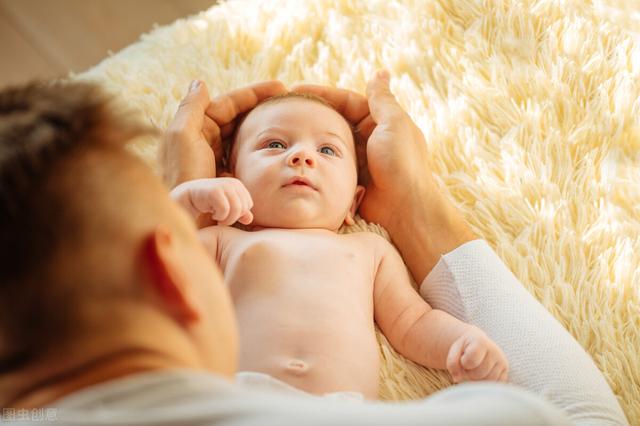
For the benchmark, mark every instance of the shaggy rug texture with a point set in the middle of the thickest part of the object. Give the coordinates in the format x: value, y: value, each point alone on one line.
x: 530, y: 108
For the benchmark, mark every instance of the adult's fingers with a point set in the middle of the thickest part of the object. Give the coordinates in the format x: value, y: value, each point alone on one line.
x: 211, y: 132
x: 227, y: 130
x: 353, y: 106
x: 225, y: 108
x: 190, y: 112
x: 366, y: 126
x: 382, y: 103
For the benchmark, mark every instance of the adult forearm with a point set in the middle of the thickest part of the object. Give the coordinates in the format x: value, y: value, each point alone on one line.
x: 431, y: 228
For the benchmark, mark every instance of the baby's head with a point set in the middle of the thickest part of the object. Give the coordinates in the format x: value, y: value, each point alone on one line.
x: 296, y: 155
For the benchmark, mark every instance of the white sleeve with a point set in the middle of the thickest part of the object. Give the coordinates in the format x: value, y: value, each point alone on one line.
x: 196, y: 398
x: 474, y: 285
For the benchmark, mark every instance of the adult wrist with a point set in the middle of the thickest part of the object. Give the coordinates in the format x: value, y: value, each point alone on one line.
x: 431, y: 228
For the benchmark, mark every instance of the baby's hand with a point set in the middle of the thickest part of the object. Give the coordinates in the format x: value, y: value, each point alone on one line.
x: 226, y: 199
x: 474, y: 356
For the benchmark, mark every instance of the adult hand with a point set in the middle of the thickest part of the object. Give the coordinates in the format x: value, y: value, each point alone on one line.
x: 396, y: 155
x: 402, y: 194
x: 192, y: 146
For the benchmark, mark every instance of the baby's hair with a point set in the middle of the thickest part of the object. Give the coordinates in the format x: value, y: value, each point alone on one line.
x: 229, y: 144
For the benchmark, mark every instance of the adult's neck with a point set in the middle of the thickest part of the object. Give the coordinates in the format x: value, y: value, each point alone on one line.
x: 144, y: 345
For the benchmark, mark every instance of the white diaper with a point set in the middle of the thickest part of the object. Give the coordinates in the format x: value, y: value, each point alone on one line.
x: 261, y: 381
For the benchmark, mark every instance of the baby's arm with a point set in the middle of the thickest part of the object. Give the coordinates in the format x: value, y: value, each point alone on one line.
x: 427, y: 336
x: 473, y: 284
x: 225, y: 200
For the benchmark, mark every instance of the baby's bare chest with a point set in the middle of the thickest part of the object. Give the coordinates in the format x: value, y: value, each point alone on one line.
x: 300, y: 265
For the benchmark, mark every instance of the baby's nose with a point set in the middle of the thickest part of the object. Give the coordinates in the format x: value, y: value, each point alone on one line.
x: 301, y: 157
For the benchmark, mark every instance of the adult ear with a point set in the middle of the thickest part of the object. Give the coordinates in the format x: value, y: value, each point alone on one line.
x: 357, y: 199
x: 169, y: 281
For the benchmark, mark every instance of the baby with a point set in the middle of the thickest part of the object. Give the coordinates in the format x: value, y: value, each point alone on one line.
x: 305, y: 296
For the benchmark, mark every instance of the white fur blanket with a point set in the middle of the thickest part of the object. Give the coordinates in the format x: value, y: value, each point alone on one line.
x: 530, y: 108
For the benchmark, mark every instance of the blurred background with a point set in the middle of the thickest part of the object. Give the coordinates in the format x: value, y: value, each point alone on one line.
x: 49, y: 38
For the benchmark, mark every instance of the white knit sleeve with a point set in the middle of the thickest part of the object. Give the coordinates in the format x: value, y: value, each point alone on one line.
x: 474, y: 285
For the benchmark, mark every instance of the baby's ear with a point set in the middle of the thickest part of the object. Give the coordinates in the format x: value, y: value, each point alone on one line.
x: 357, y: 199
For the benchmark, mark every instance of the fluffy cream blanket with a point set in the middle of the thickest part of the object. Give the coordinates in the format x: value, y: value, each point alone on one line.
x: 530, y: 108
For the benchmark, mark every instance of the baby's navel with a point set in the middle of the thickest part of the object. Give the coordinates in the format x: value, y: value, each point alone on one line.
x: 297, y: 366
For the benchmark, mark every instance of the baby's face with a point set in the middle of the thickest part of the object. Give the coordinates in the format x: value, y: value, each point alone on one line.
x: 297, y: 159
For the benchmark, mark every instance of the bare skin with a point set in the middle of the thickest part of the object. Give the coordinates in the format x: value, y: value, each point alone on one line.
x: 291, y: 326
x: 177, y: 284
x: 400, y: 176
x: 302, y: 292
x: 181, y: 315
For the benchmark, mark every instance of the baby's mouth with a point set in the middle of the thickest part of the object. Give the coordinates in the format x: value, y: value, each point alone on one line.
x: 300, y: 181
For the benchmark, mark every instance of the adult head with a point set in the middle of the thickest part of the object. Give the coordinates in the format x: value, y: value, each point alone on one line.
x: 100, y: 269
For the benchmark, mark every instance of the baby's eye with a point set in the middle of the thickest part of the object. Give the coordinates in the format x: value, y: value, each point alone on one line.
x: 275, y: 144
x: 327, y: 150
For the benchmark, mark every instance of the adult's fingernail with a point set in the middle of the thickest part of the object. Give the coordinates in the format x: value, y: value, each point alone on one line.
x: 194, y: 85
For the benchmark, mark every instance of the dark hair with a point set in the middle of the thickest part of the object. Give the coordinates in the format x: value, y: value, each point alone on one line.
x: 229, y: 144
x: 43, y: 126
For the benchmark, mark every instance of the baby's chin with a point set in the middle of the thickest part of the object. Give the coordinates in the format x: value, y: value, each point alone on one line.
x: 285, y: 223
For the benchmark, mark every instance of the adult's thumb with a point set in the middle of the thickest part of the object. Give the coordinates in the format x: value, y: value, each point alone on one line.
x: 382, y: 104
x: 190, y: 114
x: 197, y: 96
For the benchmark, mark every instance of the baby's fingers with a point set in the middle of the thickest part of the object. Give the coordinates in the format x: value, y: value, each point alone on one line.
x: 219, y: 206
x: 484, y: 370
x: 245, y: 196
x: 453, y: 360
x: 246, y: 218
x: 504, y: 376
x: 235, y: 209
x: 498, y: 373
x: 473, y: 356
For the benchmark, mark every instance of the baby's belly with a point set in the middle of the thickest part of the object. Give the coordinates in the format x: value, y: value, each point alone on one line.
x: 314, y: 349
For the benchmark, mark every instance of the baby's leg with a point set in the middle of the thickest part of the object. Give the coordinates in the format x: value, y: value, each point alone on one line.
x: 474, y: 285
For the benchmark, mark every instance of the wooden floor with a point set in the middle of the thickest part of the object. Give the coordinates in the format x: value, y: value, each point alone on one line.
x: 48, y: 38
